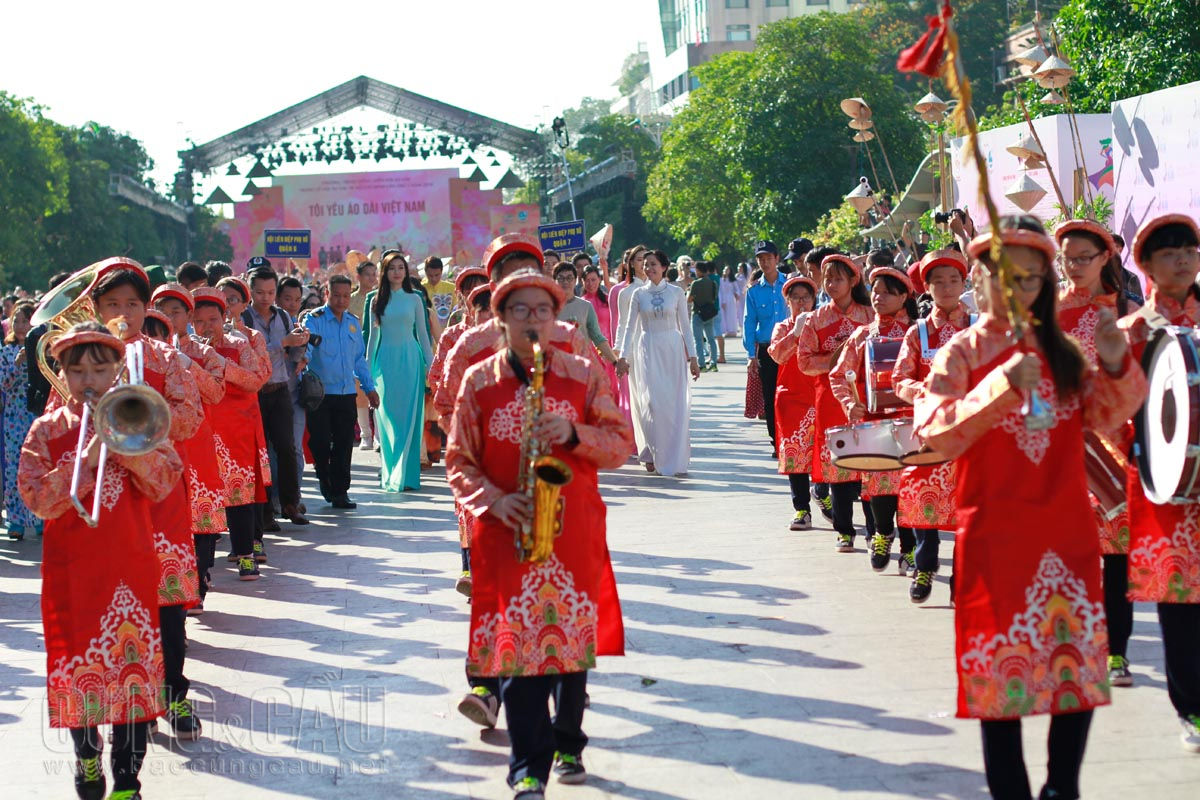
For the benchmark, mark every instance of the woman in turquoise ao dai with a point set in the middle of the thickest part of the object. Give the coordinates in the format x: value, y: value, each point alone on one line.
x: 399, y: 353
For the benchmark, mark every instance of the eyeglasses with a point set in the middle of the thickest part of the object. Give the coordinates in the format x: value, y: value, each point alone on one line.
x: 1030, y: 283
x: 1081, y: 261
x: 521, y: 312
x: 1168, y: 254
x: 564, y: 277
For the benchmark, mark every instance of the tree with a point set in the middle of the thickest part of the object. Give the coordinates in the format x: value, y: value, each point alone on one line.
x: 760, y: 148
x: 33, y: 186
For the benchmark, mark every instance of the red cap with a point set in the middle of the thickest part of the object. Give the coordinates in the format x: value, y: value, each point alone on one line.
x: 208, y: 294
x: 849, y: 262
x: 941, y: 258
x: 69, y: 340
x: 1065, y: 229
x: 1014, y: 237
x: 796, y: 280
x: 242, y: 287
x: 173, y: 291
x: 478, y: 290
x: 468, y: 273
x: 1139, y: 240
x: 502, y: 246
x: 158, y: 315
x: 117, y: 263
x: 527, y: 279
x: 879, y: 272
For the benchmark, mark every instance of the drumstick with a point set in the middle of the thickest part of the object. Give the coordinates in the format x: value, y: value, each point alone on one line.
x: 852, y: 376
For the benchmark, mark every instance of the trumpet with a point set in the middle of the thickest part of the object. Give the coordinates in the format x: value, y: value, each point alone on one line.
x: 130, y: 419
x: 541, y: 477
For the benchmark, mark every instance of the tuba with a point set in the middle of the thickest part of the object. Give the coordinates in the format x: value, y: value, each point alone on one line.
x: 541, y: 477
x: 65, y: 305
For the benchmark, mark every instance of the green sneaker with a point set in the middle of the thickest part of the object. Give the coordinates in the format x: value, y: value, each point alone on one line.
x: 801, y: 522
x: 824, y: 505
x: 260, y: 553
x: 881, y: 550
x: 182, y: 721
x: 89, y: 778
x: 480, y: 706
x: 922, y: 587
x: 1118, y: 671
x: 529, y: 789
x: 907, y: 563
x: 845, y: 543
x: 569, y: 769
x: 1191, y: 733
x: 247, y: 569
x: 125, y: 794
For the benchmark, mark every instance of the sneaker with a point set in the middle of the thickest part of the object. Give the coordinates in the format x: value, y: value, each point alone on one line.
x: 824, y: 505
x: 1191, y: 733
x: 881, y: 549
x: 125, y: 794
x: 569, y: 769
x: 907, y: 563
x: 16, y: 534
x: 182, y: 721
x: 845, y: 543
x: 463, y: 584
x: 922, y: 586
x: 260, y: 553
x: 529, y: 789
x: 802, y: 521
x: 1118, y: 671
x: 89, y: 779
x: 480, y: 706
x: 196, y: 610
x: 366, y: 446
x: 247, y: 569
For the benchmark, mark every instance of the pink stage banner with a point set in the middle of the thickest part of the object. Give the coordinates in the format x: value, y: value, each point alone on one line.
x: 408, y: 209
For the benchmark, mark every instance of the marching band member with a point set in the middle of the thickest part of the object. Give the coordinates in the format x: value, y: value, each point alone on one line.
x: 927, y: 493
x: 233, y: 422
x: 1029, y: 621
x: 794, y: 391
x: 895, y: 309
x: 568, y: 603
x: 104, y: 657
x: 465, y: 283
x: 822, y: 334
x: 1164, y: 540
x: 121, y: 292
x: 1094, y: 282
x: 205, y: 486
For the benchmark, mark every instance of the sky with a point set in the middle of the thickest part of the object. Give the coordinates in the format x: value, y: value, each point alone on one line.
x: 168, y: 71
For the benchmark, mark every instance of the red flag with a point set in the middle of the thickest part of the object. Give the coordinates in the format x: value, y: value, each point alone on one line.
x: 926, y: 55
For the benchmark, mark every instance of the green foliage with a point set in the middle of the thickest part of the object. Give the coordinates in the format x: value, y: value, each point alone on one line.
x: 940, y: 236
x: 633, y: 71
x: 1100, y: 210
x: 838, y: 228
x: 760, y: 150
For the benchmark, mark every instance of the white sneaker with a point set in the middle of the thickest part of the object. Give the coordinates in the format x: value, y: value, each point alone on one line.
x: 366, y: 446
x: 1191, y: 733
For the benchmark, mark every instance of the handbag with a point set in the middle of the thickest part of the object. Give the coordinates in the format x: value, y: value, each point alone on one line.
x: 312, y: 390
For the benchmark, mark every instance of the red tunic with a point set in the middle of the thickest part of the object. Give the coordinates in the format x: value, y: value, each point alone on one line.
x: 205, y: 487
x: 166, y: 374
x: 237, y: 422
x: 1078, y: 313
x: 1164, y: 541
x: 557, y: 616
x: 821, y: 334
x: 926, y: 493
x: 795, y: 392
x: 99, y: 585
x: 1031, y: 636
x: 853, y: 358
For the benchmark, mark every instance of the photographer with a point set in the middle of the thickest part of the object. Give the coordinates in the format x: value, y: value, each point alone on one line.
x: 274, y: 399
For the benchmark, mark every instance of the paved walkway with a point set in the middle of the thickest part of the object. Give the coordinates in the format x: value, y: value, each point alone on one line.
x: 761, y: 663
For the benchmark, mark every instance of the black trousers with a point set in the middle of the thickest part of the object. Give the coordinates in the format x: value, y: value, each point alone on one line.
x: 1117, y: 607
x: 241, y: 527
x: 206, y: 555
x: 768, y: 372
x: 800, y: 496
x: 843, y: 496
x: 533, y: 734
x: 331, y: 439
x: 276, y: 408
x: 928, y: 543
x: 1004, y: 759
x: 883, y: 509
x: 1180, y: 624
x: 128, y: 750
x: 174, y: 644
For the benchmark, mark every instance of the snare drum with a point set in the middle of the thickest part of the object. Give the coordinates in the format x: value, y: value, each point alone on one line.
x: 1168, y: 426
x: 914, y: 452
x: 881, y: 357
x: 866, y: 447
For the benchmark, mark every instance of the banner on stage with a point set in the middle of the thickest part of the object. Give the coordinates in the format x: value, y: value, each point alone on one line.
x: 563, y: 236
x: 287, y: 243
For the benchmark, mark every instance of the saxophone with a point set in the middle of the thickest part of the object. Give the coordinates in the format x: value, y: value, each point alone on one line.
x: 541, y: 477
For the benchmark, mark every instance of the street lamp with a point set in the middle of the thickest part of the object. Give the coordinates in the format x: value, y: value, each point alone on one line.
x: 563, y: 139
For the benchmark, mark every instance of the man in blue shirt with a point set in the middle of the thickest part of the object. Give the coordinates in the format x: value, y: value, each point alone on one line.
x: 338, y: 355
x: 765, y: 307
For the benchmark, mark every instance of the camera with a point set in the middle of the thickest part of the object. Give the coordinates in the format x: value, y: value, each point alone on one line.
x: 314, y: 339
x: 944, y: 217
